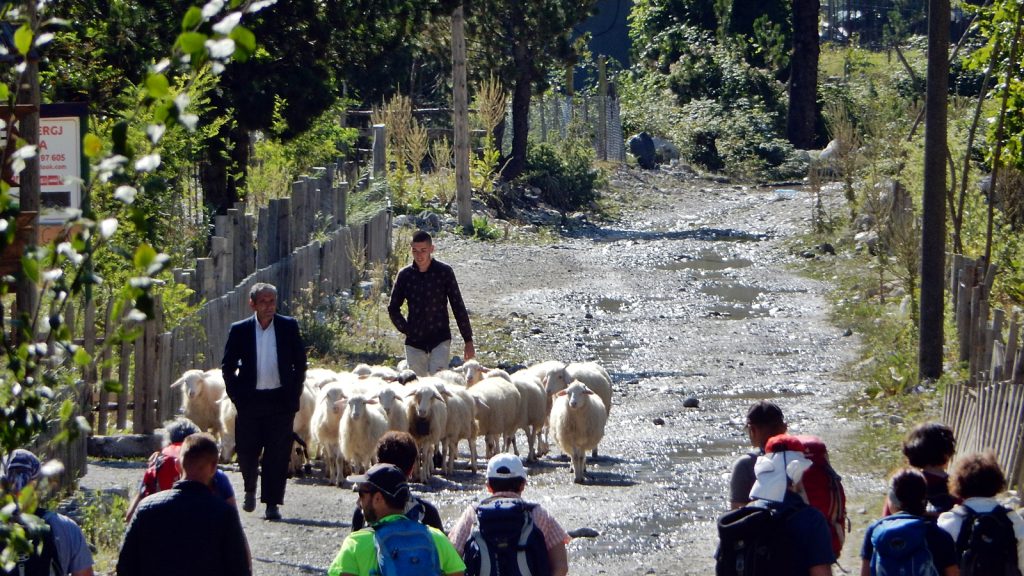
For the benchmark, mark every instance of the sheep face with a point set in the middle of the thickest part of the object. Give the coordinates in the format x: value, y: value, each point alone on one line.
x: 423, y: 397
x: 556, y: 381
x: 356, y: 406
x: 577, y: 393
x: 192, y: 382
x: 388, y: 399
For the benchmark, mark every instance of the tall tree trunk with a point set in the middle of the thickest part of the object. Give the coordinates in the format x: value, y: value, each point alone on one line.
x: 933, y: 207
x: 521, y: 91
x: 803, y: 81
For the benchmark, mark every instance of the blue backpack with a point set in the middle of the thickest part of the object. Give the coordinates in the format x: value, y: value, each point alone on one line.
x: 506, y: 541
x: 901, y: 547
x: 405, y: 548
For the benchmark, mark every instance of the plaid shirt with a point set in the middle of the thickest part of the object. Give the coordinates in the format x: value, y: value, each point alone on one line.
x: 553, y: 532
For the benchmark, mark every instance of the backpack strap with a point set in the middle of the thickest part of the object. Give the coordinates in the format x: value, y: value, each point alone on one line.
x: 524, y: 537
x: 966, y: 529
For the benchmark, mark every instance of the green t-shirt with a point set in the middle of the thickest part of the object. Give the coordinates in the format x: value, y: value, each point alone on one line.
x: 358, y: 555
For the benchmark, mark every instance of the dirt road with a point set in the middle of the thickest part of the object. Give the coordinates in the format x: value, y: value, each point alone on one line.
x: 688, y: 294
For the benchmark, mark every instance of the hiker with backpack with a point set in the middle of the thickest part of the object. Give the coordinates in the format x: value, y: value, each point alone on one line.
x: 399, y: 448
x: 64, y: 549
x: 163, y: 468
x: 907, y: 542
x: 989, y: 537
x: 764, y: 420
x: 392, y: 544
x: 778, y: 533
x: 187, y: 529
x: 929, y: 447
x: 507, y: 536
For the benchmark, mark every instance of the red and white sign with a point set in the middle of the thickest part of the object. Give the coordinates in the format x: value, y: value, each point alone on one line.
x: 60, y: 168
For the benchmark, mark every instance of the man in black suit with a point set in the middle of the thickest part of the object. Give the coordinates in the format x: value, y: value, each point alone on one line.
x: 264, y: 368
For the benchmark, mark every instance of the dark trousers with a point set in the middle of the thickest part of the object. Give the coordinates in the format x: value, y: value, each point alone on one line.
x: 271, y: 434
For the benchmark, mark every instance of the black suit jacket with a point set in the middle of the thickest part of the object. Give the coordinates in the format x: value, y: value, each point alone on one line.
x: 239, y: 363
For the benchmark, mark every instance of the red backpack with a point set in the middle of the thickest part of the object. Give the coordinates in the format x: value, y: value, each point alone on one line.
x: 824, y: 489
x: 162, y: 470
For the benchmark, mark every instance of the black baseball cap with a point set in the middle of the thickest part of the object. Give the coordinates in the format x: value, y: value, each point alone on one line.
x: 386, y: 478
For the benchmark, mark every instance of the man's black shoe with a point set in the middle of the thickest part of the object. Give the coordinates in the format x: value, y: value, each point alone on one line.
x: 272, y: 512
x: 249, y: 504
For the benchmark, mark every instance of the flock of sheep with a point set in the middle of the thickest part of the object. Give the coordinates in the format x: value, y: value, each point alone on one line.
x: 343, y: 414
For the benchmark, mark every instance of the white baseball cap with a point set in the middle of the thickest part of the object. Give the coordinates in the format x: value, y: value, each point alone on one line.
x: 505, y: 466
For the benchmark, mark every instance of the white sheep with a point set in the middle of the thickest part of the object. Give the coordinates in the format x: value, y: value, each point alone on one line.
x: 497, y: 414
x: 386, y: 373
x: 533, y: 409
x: 325, y: 423
x: 577, y: 424
x: 392, y: 400
x: 553, y: 376
x: 317, y: 378
x: 362, y: 424
x: 228, y: 416
x: 472, y: 370
x: 595, y: 377
x: 200, y: 392
x: 302, y: 428
x: 462, y: 407
x: 428, y: 421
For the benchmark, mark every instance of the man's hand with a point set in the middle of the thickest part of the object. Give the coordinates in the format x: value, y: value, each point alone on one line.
x: 469, y: 353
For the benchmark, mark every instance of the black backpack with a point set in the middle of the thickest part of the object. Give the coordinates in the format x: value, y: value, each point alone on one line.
x: 43, y: 560
x: 753, y: 541
x: 987, y: 545
x: 506, y: 541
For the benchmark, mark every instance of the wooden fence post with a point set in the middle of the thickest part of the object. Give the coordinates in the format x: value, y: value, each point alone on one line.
x: 379, y: 143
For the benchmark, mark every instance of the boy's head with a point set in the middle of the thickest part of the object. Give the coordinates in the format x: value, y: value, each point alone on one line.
x: 977, y: 475
x: 505, y: 473
x: 399, y: 449
x: 929, y: 444
x: 199, y: 455
x: 764, y: 420
x: 908, y: 492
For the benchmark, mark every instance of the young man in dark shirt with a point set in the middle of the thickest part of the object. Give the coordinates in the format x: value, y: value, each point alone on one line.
x: 428, y: 286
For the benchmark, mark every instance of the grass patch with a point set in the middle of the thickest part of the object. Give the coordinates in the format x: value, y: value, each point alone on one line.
x: 102, y: 523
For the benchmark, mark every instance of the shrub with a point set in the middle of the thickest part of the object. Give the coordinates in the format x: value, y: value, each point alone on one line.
x: 565, y: 177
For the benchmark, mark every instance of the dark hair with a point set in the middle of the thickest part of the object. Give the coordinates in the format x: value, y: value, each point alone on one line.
x: 929, y: 444
x: 507, y: 484
x: 396, y: 502
x: 179, y: 429
x: 908, y: 491
x: 422, y: 236
x: 398, y: 448
x: 977, y: 474
x: 765, y: 414
x: 198, y: 448
x: 259, y: 288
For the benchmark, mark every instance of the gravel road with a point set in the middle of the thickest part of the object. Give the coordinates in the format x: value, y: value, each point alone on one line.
x: 690, y: 293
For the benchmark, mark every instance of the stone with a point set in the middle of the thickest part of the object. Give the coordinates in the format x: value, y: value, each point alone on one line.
x: 124, y: 446
x: 691, y: 402
x: 641, y: 146
x: 584, y: 533
x: 429, y: 221
x: 664, y: 151
x: 658, y: 421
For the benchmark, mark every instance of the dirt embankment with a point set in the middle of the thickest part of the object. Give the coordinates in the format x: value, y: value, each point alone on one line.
x: 687, y: 295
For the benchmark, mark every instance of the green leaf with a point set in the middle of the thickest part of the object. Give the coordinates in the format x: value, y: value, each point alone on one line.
x: 144, y: 256
x: 23, y: 39
x: 157, y: 85
x: 112, y: 386
x: 193, y: 18
x: 82, y: 358
x: 5, y: 92
x: 191, y: 42
x: 245, y: 42
x: 31, y: 267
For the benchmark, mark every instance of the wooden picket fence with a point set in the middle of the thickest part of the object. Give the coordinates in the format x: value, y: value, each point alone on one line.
x: 987, y: 410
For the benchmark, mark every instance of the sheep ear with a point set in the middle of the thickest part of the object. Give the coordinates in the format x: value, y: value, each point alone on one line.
x: 373, y: 399
x: 178, y: 383
x: 341, y: 403
x: 588, y: 391
x: 560, y: 393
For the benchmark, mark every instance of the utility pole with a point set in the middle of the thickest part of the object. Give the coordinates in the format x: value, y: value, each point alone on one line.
x: 933, y: 208
x: 27, y: 295
x: 460, y: 119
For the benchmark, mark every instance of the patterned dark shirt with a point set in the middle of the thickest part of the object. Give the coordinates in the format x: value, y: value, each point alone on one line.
x: 428, y: 294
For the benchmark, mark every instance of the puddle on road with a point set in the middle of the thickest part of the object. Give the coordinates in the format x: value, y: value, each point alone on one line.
x: 737, y: 301
x: 612, y: 305
x: 707, y: 261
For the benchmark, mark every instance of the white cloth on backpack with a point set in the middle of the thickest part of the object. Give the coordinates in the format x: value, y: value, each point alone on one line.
x: 953, y: 520
x: 771, y: 472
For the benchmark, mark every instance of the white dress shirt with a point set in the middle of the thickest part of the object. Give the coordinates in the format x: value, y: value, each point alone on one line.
x: 267, y: 375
